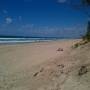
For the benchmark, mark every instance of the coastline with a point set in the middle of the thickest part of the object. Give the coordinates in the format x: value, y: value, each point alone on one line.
x: 21, y: 61
x: 7, y: 42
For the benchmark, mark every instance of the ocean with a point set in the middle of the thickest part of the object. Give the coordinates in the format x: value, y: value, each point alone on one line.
x: 24, y: 40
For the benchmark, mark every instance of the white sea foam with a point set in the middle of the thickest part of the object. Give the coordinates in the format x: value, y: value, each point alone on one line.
x: 23, y: 40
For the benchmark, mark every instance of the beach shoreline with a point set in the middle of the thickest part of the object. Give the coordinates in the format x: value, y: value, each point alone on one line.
x: 24, y: 60
x: 11, y: 41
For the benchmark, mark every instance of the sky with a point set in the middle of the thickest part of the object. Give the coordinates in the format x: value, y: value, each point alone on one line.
x: 41, y: 18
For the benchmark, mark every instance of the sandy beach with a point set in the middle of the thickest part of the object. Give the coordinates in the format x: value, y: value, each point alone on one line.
x: 34, y: 66
x: 28, y: 55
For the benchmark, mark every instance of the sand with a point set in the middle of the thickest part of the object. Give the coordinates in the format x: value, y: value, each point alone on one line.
x: 37, y: 66
x: 27, y: 55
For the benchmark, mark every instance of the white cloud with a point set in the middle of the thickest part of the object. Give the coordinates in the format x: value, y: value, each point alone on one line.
x: 8, y: 20
x: 62, y: 1
x: 27, y: 26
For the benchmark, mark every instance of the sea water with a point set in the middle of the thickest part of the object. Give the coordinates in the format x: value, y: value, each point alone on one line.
x: 24, y: 40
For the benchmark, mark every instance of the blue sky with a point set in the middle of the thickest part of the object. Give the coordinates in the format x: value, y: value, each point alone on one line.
x: 46, y: 18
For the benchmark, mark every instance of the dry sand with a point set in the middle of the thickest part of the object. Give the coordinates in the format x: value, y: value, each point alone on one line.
x: 39, y: 66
